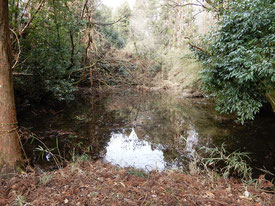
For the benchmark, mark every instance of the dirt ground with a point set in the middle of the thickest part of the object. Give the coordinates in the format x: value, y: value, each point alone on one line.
x: 97, y: 183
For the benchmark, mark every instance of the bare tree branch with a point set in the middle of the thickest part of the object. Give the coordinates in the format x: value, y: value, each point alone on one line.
x: 193, y: 17
x: 32, y: 17
x: 83, y: 9
x: 175, y: 4
x: 19, y: 49
x: 25, y: 9
x: 199, y: 48
x: 108, y: 24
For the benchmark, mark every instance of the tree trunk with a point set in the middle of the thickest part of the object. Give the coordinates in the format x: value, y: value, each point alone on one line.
x: 10, y: 152
x: 271, y: 98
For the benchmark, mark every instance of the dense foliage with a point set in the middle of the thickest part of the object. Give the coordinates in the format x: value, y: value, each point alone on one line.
x: 238, y: 57
x: 53, y: 40
x: 49, y: 49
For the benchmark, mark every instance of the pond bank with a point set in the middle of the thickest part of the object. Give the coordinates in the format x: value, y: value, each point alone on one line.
x: 97, y: 183
x: 174, y: 127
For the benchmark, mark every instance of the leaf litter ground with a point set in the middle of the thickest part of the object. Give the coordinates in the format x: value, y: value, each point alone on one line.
x: 98, y: 183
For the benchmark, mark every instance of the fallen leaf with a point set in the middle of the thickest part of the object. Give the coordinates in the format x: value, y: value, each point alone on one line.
x: 210, y: 194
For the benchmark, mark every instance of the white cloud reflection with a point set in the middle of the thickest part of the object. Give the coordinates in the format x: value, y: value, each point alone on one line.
x: 132, y: 152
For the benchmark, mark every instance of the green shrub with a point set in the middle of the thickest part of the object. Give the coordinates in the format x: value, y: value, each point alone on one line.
x: 239, y: 58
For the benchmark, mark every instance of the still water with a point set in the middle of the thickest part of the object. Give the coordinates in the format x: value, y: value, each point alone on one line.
x: 149, y: 131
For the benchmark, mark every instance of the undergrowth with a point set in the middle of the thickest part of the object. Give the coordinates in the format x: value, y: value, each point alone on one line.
x: 226, y: 163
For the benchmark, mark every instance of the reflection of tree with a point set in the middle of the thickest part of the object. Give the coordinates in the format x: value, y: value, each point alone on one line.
x: 191, y: 142
x: 166, y: 121
x: 97, y: 126
x: 85, y: 128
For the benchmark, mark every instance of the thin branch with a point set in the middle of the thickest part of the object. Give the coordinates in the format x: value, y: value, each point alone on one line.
x: 175, y: 4
x: 199, y: 48
x: 200, y: 3
x: 193, y: 17
x: 22, y: 62
x: 108, y: 24
x: 83, y: 68
x: 19, y: 49
x: 32, y: 17
x: 83, y: 9
x: 25, y: 9
x: 21, y: 74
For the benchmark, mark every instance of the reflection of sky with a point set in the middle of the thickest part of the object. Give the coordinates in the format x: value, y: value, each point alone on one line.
x: 129, y: 151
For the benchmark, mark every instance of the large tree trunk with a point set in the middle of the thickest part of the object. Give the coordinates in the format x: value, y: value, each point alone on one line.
x: 10, y: 152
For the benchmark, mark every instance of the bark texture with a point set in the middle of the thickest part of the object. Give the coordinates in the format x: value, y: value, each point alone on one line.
x: 10, y: 152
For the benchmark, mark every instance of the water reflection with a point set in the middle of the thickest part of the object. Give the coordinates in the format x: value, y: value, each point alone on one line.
x: 191, y: 141
x: 168, y: 131
x: 130, y: 151
x: 180, y: 127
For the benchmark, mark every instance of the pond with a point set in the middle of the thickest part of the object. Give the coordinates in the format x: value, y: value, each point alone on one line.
x: 147, y: 130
